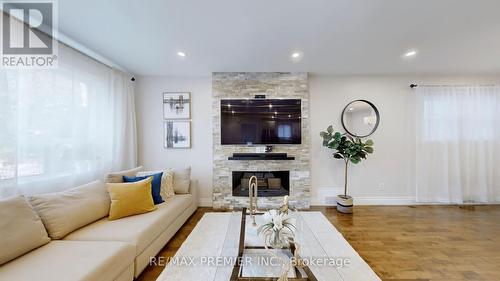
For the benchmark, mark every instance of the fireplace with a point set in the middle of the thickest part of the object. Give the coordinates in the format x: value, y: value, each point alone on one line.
x: 275, y: 85
x: 270, y: 183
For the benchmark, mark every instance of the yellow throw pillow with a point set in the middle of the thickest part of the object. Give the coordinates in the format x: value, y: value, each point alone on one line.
x: 128, y: 199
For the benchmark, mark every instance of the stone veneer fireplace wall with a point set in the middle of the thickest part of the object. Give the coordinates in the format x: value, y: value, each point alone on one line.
x: 227, y: 85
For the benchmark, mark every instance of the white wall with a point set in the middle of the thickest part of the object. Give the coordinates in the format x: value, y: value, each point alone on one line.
x: 150, y: 128
x: 386, y: 177
x: 387, y: 167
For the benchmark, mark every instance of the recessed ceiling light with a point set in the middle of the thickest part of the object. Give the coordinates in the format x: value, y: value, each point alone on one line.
x: 410, y: 53
x: 181, y: 54
x: 276, y: 112
x: 296, y: 56
x: 270, y: 106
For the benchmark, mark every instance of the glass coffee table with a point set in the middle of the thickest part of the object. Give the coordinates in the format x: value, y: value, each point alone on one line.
x: 255, y: 262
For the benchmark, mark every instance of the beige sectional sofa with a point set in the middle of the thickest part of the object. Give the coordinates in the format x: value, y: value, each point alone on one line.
x: 105, y: 249
x: 148, y: 233
x: 73, y: 260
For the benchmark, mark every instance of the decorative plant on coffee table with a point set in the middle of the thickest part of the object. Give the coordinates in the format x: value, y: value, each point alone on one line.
x: 278, y: 226
x: 277, y: 230
x: 348, y: 149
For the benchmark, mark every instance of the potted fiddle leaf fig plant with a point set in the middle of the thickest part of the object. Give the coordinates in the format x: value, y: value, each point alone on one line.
x: 350, y: 150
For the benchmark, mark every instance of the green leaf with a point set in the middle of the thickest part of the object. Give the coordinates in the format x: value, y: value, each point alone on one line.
x: 355, y: 160
x: 346, y: 147
x: 333, y: 145
x: 337, y: 156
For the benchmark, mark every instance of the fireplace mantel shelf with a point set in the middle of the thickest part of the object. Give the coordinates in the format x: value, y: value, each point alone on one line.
x: 260, y: 156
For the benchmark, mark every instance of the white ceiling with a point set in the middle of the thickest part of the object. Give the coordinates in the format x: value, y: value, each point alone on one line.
x: 335, y: 36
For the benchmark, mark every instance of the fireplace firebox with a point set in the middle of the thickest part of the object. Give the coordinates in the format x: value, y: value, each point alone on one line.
x: 270, y: 183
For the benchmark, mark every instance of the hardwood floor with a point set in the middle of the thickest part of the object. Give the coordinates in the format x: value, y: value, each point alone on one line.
x: 152, y: 272
x: 425, y: 242
x: 406, y: 242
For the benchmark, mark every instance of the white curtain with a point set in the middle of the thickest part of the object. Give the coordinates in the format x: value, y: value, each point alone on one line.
x: 124, y: 124
x: 64, y: 127
x: 458, y: 144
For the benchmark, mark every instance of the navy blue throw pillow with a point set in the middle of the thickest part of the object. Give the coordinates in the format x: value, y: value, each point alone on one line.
x: 155, y: 185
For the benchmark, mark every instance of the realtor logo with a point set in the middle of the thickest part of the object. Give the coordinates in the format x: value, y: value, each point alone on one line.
x: 28, y: 34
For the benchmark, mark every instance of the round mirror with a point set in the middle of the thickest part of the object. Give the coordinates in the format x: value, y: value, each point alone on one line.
x: 360, y: 118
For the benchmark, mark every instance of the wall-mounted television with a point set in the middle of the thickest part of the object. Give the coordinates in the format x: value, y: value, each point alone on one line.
x: 261, y: 121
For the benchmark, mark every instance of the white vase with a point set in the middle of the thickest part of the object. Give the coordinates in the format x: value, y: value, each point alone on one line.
x: 344, y: 204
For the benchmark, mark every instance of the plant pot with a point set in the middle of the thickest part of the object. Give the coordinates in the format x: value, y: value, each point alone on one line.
x: 344, y: 204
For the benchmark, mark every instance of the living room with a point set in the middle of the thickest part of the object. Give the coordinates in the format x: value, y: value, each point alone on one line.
x: 343, y: 140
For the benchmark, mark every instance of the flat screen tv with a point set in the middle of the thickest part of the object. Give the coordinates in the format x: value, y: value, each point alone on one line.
x: 261, y: 121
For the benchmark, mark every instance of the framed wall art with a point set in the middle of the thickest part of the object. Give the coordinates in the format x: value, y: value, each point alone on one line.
x: 177, y: 134
x: 176, y: 105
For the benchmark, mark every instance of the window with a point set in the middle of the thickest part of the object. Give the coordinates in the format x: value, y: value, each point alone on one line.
x: 63, y: 127
x: 457, y: 138
x: 285, y: 131
x: 464, y: 114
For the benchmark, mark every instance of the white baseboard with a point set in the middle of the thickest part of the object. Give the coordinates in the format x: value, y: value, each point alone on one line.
x: 326, y: 196
x: 205, y: 202
x: 388, y: 201
x: 385, y: 200
x: 371, y: 201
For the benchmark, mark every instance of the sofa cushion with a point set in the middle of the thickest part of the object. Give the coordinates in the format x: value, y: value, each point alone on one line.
x: 182, y: 178
x: 140, y: 230
x: 167, y: 182
x: 117, y: 177
x: 155, y: 185
x: 71, y: 260
x: 131, y: 198
x: 66, y: 211
x: 21, y: 229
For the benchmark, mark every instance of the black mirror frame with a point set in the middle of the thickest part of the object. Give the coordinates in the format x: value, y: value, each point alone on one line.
x: 376, y: 124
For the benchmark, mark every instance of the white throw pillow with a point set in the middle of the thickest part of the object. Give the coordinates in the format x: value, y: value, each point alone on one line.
x: 66, y: 211
x: 117, y: 177
x: 182, y: 179
x: 167, y: 182
x: 21, y: 229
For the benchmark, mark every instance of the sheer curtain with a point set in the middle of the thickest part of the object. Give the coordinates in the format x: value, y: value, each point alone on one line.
x: 458, y: 144
x: 124, y: 144
x: 66, y: 126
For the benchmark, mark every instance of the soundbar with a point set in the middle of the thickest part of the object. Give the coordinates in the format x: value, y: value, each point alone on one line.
x: 260, y: 156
